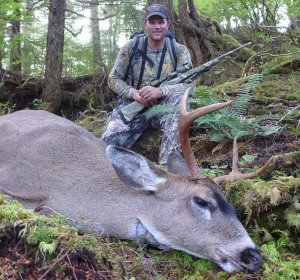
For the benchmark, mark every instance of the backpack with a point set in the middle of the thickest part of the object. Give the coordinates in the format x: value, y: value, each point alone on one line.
x: 140, y: 45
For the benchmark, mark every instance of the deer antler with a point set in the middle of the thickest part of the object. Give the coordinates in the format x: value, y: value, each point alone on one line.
x: 185, y: 121
x: 235, y: 173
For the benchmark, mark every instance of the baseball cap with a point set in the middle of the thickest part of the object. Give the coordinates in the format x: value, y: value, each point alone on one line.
x: 156, y: 10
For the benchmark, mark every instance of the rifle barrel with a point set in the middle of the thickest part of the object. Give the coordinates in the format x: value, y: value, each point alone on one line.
x: 234, y: 50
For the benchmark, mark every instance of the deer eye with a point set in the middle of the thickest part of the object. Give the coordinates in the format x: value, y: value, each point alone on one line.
x: 202, y: 203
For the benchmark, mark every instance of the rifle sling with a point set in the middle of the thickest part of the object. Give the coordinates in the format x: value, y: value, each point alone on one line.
x: 131, y: 57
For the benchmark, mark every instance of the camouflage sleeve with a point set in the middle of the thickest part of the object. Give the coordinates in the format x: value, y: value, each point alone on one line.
x: 183, y: 58
x: 117, y: 75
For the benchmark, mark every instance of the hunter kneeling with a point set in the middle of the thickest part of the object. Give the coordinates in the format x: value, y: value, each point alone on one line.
x: 141, y: 64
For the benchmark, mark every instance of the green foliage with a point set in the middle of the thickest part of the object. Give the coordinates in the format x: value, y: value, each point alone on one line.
x: 163, y: 110
x: 231, y: 43
x: 275, y: 64
x: 232, y: 14
x: 6, y: 107
x: 48, y: 248
x: 231, y: 122
x: 293, y: 214
x: 214, y: 170
x: 10, y: 212
x: 254, y: 197
x: 279, y: 266
x: 245, y: 95
x: 11, y: 11
x: 42, y: 233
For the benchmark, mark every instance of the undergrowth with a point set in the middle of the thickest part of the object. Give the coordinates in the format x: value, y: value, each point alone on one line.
x: 229, y: 122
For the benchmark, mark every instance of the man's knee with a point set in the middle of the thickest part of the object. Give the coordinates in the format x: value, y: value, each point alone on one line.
x: 118, y: 139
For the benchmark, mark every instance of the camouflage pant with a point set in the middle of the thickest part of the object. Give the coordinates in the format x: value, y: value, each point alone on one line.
x: 125, y: 135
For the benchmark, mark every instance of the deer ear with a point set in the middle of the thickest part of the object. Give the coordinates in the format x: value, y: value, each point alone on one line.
x: 134, y: 170
x: 176, y: 164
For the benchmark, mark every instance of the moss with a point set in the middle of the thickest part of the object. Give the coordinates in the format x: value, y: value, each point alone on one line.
x: 233, y: 86
x: 275, y: 88
x: 148, y: 144
x: 272, y: 91
x: 296, y: 95
x: 231, y: 43
x: 287, y: 163
x: 251, y: 197
x: 280, y: 64
x: 82, y: 100
x: 98, y: 132
x: 93, y: 123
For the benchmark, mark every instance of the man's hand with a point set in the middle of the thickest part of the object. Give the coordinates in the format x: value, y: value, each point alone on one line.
x: 148, y: 95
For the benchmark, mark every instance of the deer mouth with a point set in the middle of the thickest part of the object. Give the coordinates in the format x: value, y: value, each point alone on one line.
x: 248, y: 260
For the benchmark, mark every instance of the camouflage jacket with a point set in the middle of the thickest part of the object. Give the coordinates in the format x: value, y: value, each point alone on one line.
x: 123, y: 88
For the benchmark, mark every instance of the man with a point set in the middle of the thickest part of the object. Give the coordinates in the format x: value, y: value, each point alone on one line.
x: 155, y: 62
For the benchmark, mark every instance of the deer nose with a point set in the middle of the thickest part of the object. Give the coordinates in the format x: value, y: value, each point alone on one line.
x: 252, y: 258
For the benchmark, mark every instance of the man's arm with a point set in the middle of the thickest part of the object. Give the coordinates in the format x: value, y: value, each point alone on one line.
x: 117, y: 75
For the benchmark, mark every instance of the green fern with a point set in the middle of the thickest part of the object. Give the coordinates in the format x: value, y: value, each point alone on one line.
x: 163, y: 112
x: 161, y: 109
x: 230, y: 122
x: 293, y: 213
x: 241, y: 102
x: 48, y: 248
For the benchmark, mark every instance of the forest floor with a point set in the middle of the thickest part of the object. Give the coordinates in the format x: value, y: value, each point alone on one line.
x: 33, y: 246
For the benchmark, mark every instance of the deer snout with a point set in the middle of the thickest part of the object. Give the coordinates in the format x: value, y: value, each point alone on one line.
x: 252, y: 258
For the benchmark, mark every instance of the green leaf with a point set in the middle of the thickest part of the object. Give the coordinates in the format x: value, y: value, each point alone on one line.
x: 248, y: 158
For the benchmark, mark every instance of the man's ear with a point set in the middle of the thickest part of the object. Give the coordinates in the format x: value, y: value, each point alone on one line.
x: 134, y: 170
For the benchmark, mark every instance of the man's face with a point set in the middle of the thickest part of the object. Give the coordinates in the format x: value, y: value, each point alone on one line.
x: 156, y: 28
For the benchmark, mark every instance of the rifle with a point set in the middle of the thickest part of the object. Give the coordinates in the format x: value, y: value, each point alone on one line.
x: 183, y: 75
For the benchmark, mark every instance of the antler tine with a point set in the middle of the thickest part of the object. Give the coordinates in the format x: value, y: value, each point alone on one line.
x: 235, y: 173
x: 185, y: 121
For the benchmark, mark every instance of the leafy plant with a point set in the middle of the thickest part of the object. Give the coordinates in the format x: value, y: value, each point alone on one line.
x: 6, y: 107
x: 231, y: 122
x: 163, y: 110
x: 293, y: 213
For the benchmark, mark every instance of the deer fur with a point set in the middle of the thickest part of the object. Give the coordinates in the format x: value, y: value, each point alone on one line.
x: 50, y: 163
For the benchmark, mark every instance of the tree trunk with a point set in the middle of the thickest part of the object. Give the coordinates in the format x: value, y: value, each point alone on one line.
x: 2, y: 36
x: 96, y: 39
x: 54, y: 55
x: 15, y: 55
x: 27, y: 32
x: 189, y: 35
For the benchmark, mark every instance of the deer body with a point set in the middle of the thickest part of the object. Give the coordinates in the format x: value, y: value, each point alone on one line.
x: 51, y: 163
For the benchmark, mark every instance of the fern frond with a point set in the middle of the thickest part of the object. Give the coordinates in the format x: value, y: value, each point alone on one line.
x: 161, y: 109
x: 243, y: 99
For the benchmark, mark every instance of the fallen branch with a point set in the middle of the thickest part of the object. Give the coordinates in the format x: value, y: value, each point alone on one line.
x: 54, y: 264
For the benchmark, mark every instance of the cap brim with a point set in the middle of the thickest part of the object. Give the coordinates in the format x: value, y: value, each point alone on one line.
x: 156, y: 14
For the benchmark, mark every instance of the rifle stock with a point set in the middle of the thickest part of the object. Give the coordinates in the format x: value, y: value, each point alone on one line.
x: 129, y: 111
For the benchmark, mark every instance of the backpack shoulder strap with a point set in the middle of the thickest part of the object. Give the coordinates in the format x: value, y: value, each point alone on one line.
x: 138, y: 43
x: 172, y: 48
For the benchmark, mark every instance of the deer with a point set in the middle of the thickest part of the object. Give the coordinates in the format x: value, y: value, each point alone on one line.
x: 50, y: 164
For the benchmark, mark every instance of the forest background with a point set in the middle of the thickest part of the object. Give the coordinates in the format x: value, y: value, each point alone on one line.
x: 55, y: 39
x: 56, y: 55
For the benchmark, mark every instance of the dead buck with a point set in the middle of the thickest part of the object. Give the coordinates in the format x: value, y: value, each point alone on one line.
x: 50, y: 163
